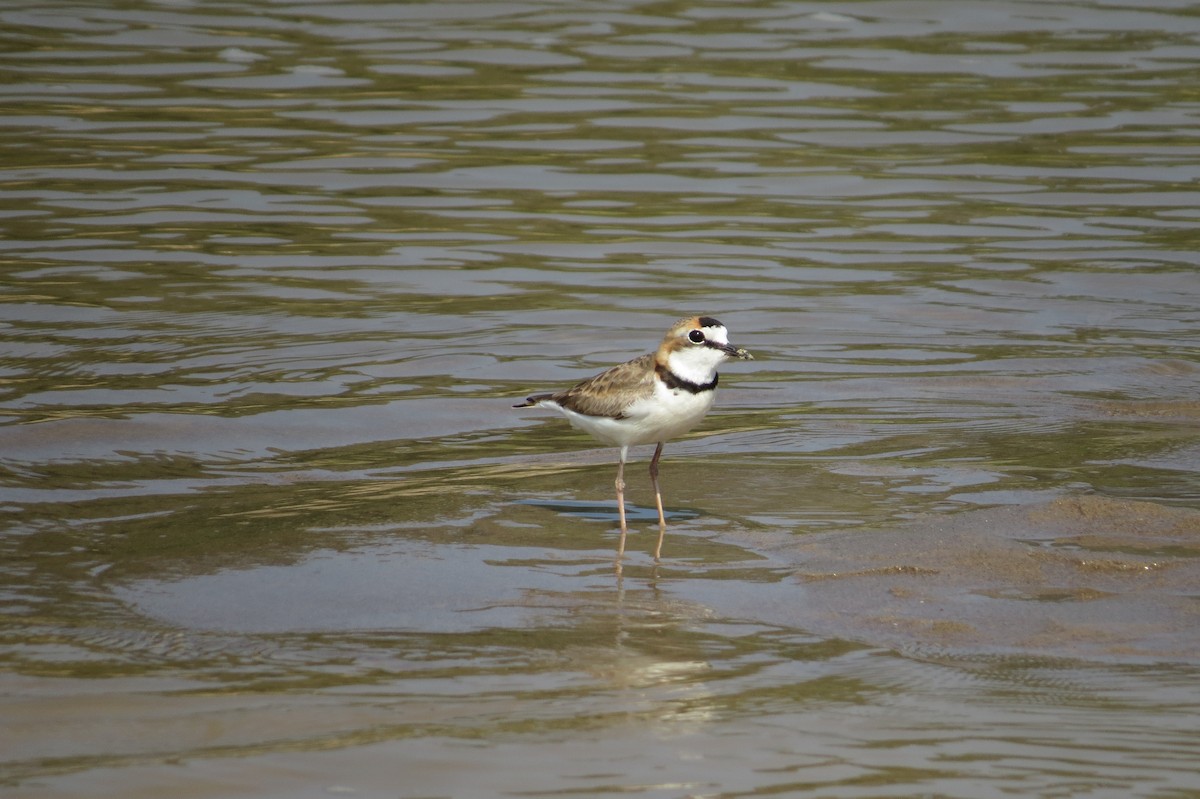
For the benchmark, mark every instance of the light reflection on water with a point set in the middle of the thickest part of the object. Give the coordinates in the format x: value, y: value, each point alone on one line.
x: 271, y: 281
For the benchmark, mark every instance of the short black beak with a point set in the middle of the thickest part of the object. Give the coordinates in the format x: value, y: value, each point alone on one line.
x: 736, y: 352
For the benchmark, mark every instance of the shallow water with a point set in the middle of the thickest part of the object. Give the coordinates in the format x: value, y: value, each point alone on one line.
x: 274, y: 274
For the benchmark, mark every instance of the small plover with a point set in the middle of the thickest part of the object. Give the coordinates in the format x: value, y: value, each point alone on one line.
x: 649, y: 400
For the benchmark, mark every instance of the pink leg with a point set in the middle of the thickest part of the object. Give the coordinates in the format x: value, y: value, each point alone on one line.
x: 662, y: 520
x: 621, y: 501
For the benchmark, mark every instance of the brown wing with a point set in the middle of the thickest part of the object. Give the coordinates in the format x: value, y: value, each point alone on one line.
x: 611, y: 391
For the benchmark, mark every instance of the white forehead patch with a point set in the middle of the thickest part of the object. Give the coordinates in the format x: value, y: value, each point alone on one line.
x: 716, y: 333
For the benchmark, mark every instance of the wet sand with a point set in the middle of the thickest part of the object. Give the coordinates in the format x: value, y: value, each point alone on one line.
x: 1081, y: 576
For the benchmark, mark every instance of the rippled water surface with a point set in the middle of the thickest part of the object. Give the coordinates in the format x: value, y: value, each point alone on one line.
x: 274, y: 273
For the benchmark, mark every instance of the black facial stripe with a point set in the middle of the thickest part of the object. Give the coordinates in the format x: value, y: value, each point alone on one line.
x: 708, y: 321
x: 674, y: 381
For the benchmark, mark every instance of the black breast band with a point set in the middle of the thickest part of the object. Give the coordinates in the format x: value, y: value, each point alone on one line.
x: 674, y: 381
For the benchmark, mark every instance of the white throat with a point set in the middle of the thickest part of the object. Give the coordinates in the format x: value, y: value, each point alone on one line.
x: 695, y: 364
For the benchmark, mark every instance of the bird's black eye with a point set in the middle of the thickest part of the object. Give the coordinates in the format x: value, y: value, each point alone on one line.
x: 696, y: 337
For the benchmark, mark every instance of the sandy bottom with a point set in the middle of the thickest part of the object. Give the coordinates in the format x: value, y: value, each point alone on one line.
x: 1081, y: 576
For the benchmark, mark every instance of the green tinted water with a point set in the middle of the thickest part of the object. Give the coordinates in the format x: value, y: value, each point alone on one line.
x: 273, y: 275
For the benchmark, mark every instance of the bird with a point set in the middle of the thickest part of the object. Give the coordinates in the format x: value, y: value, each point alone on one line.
x: 649, y: 400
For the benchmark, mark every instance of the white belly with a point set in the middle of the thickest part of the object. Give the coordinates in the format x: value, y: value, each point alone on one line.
x: 663, y: 416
